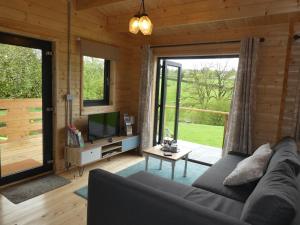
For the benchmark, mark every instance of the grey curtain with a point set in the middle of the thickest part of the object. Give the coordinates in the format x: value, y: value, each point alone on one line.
x: 240, y: 123
x: 145, y: 100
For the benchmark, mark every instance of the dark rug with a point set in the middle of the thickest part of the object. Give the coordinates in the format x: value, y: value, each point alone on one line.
x: 22, y: 192
x: 194, y: 170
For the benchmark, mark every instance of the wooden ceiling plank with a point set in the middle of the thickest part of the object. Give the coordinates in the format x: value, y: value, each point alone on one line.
x: 188, y: 14
x: 87, y: 4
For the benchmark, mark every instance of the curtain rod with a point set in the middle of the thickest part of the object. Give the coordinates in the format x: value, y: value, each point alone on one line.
x: 201, y: 43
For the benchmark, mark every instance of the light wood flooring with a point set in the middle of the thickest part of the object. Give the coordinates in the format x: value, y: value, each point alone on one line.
x: 60, y: 206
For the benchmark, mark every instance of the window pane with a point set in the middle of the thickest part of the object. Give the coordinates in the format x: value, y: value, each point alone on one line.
x: 93, y: 78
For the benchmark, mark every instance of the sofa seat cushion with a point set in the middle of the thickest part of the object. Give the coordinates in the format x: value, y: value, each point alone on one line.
x: 216, y: 202
x: 196, y: 195
x: 212, y: 179
x: 162, y: 184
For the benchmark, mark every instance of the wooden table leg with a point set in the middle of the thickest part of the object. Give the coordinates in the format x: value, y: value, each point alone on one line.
x: 185, y: 165
x: 147, y: 159
x: 173, y: 169
x: 160, y: 167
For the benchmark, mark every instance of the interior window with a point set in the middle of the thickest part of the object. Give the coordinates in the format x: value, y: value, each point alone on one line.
x: 96, y: 73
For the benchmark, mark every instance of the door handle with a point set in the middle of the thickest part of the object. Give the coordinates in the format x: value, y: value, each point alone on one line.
x: 49, y: 109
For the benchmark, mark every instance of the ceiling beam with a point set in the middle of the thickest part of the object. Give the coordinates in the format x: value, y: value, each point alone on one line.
x: 87, y: 4
x: 208, y: 11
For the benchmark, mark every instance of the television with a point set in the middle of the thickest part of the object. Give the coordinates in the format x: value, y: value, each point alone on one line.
x: 103, y: 125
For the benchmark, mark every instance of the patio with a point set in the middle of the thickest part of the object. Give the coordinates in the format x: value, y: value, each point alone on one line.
x: 202, y: 153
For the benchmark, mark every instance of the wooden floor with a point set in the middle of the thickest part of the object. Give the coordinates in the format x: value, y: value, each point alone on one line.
x: 18, y: 151
x: 60, y: 206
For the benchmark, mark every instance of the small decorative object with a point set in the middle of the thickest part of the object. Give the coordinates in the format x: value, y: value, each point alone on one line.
x: 129, y: 121
x: 170, y: 145
x: 75, y: 138
x: 141, y: 22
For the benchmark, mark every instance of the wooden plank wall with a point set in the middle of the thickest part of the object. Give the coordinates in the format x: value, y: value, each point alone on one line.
x: 48, y: 20
x: 271, y: 68
x: 292, y: 100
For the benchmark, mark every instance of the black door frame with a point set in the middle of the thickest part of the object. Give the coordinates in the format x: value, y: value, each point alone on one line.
x: 160, y: 103
x: 47, y: 112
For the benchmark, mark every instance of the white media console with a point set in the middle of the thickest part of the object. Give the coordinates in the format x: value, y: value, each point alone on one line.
x: 100, y: 149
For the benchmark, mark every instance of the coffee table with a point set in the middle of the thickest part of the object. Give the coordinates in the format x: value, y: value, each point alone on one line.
x: 157, y: 153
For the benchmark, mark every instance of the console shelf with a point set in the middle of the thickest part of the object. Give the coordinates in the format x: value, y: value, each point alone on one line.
x: 98, y: 150
x: 109, y: 149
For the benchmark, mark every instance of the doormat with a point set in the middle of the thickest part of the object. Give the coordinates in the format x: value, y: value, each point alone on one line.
x: 19, y: 166
x: 22, y: 192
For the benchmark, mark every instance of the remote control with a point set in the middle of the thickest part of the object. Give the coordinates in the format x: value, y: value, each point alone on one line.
x: 167, y: 154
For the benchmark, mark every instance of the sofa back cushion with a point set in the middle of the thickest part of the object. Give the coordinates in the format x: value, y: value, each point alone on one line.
x: 284, y: 150
x: 274, y: 199
x: 296, y: 220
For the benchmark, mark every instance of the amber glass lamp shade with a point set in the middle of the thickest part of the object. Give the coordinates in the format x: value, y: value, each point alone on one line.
x: 145, y: 25
x: 134, y: 25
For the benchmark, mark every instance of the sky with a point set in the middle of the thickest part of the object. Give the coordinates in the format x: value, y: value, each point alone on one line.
x: 229, y: 63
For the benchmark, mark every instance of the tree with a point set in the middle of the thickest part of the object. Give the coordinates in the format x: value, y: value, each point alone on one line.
x: 20, y: 72
x: 200, y: 81
x: 206, y: 84
x: 224, y: 82
x: 93, y: 78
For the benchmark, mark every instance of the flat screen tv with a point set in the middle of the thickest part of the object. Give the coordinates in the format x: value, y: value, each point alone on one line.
x: 103, y: 125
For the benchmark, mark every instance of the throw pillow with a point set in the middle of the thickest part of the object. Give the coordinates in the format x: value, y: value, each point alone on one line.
x: 274, y: 199
x: 251, y: 168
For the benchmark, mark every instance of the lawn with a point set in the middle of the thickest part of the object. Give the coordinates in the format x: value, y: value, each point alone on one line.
x: 201, y: 134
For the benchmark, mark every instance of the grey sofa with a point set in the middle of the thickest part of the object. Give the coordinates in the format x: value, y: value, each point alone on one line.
x: 145, y: 199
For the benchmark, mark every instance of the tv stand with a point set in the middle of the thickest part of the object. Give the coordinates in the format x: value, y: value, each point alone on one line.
x: 97, y: 150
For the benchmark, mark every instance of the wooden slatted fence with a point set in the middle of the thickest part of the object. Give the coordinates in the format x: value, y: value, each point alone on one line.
x: 20, y: 118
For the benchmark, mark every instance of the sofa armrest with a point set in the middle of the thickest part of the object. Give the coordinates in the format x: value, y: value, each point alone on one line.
x: 114, y: 200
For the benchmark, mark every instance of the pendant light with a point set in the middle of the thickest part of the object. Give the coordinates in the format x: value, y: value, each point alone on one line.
x: 141, y: 22
x: 134, y: 24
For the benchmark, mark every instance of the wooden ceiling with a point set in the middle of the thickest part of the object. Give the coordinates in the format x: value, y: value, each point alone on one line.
x: 177, y: 14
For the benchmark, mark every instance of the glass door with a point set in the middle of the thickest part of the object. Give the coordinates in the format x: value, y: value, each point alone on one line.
x: 193, y: 97
x: 25, y: 107
x: 167, y: 101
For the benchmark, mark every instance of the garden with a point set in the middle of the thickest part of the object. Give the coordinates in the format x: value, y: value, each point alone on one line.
x: 205, y: 100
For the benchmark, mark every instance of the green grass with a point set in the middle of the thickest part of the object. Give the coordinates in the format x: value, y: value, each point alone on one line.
x: 210, y: 135
x: 201, y: 134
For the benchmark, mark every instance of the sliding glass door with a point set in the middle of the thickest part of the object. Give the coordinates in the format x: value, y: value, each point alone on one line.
x: 25, y: 107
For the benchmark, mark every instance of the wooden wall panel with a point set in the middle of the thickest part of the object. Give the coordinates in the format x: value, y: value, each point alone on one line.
x: 293, y: 89
x: 48, y: 20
